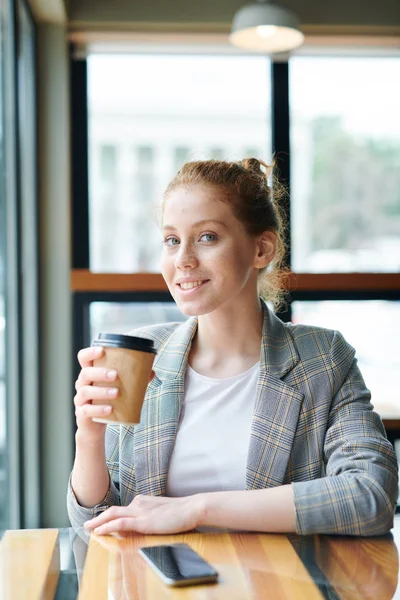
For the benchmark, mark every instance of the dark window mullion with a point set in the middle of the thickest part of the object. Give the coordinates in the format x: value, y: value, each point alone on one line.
x: 281, y: 149
x: 79, y: 162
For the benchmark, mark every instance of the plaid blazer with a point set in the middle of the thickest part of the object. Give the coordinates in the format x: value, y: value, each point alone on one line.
x: 313, y: 426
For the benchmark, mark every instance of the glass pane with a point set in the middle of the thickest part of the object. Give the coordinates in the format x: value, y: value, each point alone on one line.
x: 148, y: 114
x: 345, y: 164
x: 377, y: 347
x: 122, y: 317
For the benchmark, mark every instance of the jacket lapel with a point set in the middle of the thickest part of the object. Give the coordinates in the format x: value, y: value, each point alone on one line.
x: 154, y: 437
x: 276, y: 410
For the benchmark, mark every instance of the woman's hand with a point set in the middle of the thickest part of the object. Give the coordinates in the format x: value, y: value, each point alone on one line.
x: 87, y: 391
x: 150, y: 514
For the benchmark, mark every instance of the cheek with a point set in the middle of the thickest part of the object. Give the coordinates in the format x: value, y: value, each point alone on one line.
x: 231, y: 265
x: 239, y: 257
x: 166, y: 265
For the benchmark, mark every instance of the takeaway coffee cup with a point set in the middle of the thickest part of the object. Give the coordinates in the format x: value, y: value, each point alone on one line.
x: 132, y: 358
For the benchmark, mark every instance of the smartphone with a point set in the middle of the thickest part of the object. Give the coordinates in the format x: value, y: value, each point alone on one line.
x: 178, y: 564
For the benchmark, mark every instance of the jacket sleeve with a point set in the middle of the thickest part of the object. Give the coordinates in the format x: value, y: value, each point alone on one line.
x: 359, y: 492
x: 79, y: 514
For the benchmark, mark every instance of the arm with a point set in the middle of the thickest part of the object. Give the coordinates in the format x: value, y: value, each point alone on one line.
x: 97, y: 489
x: 359, y: 492
x: 270, y: 510
x: 90, y: 488
x: 90, y: 479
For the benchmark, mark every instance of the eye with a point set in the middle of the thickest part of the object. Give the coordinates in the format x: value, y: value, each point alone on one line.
x: 208, y: 237
x: 171, y: 241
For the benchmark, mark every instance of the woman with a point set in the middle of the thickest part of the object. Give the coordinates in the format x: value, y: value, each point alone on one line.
x: 248, y: 423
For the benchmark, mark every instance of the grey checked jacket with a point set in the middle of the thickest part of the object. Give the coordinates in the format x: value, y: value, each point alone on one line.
x: 313, y: 426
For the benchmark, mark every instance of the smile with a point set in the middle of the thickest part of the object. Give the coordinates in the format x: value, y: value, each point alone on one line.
x: 190, y: 285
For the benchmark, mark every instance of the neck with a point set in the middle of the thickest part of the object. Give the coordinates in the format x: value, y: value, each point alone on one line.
x: 231, y: 331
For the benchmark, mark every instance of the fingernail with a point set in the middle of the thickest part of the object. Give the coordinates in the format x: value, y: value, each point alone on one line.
x: 112, y: 392
x: 107, y: 410
x: 111, y: 374
x: 97, y: 350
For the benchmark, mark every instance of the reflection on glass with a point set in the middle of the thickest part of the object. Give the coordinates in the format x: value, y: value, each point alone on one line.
x: 371, y: 327
x: 123, y: 317
x: 148, y: 114
x: 345, y: 164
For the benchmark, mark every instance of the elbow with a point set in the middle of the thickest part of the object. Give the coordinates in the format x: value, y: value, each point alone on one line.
x: 381, y: 525
x: 377, y: 514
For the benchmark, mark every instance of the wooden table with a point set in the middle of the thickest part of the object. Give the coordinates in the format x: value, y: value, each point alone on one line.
x: 66, y: 564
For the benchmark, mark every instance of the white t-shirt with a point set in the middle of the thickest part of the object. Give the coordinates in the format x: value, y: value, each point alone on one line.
x: 212, y: 442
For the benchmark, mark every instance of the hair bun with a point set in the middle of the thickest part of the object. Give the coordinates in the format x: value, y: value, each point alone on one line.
x: 253, y: 165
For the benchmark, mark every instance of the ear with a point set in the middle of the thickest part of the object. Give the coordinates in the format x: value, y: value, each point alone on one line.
x: 265, y: 250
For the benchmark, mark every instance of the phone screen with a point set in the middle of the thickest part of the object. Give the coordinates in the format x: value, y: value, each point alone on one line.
x: 178, y: 563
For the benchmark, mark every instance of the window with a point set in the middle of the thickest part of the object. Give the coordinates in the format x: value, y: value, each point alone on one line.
x: 335, y: 137
x: 19, y: 447
x: 371, y: 327
x: 122, y: 317
x: 28, y: 257
x: 181, y: 156
x: 148, y: 114
x: 108, y: 162
x: 7, y: 256
x: 345, y: 159
x: 3, y: 439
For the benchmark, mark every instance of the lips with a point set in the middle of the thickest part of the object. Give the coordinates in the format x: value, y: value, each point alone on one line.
x: 190, y: 285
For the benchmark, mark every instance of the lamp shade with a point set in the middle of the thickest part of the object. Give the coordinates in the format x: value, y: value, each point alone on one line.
x: 266, y: 28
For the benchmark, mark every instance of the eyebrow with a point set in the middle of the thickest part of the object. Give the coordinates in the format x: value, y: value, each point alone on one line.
x: 202, y: 222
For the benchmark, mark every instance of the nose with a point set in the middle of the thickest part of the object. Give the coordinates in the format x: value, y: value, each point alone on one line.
x: 186, y: 257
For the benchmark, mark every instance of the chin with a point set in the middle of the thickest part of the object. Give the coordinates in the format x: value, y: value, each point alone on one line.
x: 190, y: 311
x: 195, y: 309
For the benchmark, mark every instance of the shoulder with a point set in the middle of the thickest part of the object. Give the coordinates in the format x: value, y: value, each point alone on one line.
x: 321, y: 343
x: 159, y: 333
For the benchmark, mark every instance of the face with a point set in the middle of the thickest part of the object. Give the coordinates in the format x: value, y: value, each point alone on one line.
x: 208, y: 259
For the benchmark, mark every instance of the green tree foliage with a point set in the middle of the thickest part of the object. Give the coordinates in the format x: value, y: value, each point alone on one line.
x: 356, y: 187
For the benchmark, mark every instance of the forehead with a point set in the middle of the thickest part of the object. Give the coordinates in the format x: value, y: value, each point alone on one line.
x: 196, y: 202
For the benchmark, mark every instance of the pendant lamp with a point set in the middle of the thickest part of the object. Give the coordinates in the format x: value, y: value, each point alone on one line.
x: 266, y: 27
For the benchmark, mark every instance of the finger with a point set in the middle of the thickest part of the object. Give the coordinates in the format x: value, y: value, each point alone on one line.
x: 91, y: 392
x: 116, y: 525
x: 88, y: 375
x: 111, y: 513
x: 86, y: 356
x: 91, y: 411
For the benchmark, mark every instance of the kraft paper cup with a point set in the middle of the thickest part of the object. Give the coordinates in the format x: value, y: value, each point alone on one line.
x: 132, y: 358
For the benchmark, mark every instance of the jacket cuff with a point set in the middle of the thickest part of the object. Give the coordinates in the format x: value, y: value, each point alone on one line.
x: 78, y: 514
x: 343, y: 505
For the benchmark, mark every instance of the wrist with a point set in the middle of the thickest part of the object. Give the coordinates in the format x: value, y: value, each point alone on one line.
x: 85, y: 440
x: 200, y: 508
